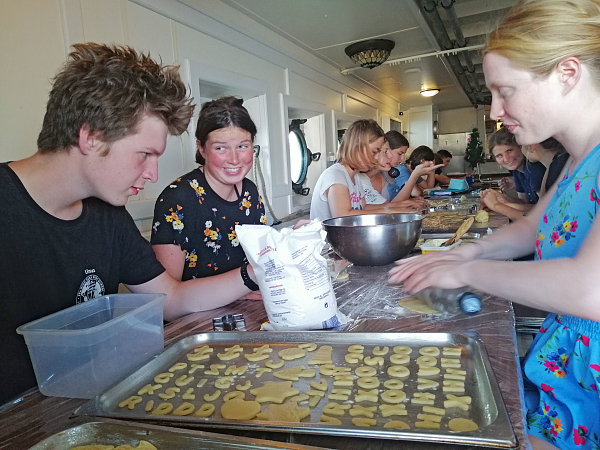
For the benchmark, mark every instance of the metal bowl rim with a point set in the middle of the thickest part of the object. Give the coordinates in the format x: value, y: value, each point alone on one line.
x: 420, y: 219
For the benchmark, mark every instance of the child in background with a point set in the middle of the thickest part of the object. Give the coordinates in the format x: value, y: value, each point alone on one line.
x: 421, y: 156
x: 376, y: 183
x: 442, y: 157
x: 341, y: 188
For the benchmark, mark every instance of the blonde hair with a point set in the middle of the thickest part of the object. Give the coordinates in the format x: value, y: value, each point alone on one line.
x: 354, y: 150
x: 537, y: 34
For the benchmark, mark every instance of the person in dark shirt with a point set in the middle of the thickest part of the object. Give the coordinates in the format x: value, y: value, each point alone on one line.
x: 552, y: 155
x: 66, y: 236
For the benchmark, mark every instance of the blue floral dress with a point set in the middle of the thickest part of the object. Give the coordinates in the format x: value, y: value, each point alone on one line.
x: 562, y: 368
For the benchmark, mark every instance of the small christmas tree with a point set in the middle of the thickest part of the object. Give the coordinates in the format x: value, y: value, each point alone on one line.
x: 474, y: 154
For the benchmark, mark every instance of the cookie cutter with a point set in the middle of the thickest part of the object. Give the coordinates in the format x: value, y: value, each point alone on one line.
x: 229, y: 322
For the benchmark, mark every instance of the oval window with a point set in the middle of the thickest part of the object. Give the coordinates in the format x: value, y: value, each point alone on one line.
x: 298, y: 153
x: 298, y: 159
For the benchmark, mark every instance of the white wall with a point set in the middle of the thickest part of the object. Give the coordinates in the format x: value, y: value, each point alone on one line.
x: 209, y: 40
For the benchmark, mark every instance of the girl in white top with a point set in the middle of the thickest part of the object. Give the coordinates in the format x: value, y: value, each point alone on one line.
x: 341, y: 188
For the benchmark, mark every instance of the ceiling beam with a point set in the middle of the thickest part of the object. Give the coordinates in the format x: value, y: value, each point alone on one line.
x: 471, y: 8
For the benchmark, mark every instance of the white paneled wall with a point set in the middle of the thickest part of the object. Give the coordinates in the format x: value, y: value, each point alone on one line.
x: 213, y: 44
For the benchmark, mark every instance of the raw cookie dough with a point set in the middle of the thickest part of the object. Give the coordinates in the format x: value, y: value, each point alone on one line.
x: 402, y: 350
x: 393, y: 396
x: 364, y: 371
x: 368, y: 382
x: 309, y: 346
x: 398, y: 371
x: 322, y: 355
x: 206, y: 410
x: 288, y: 412
x: 240, y: 409
x: 185, y: 409
x: 319, y: 385
x: 429, y: 351
x: 274, y: 392
x: 396, y: 424
x: 417, y: 305
x: 162, y: 409
x: 330, y: 420
x: 295, y: 373
x: 289, y: 354
x: 482, y: 217
x: 461, y: 424
x: 362, y: 422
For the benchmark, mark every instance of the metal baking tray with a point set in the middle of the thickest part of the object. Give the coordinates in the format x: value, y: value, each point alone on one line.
x: 164, y: 438
x: 487, y: 408
x: 466, y: 208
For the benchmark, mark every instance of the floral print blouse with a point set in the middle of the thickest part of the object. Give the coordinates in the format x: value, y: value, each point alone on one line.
x: 571, y: 211
x: 190, y: 214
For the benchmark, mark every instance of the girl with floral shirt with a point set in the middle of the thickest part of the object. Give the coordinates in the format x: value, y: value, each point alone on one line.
x: 193, y: 232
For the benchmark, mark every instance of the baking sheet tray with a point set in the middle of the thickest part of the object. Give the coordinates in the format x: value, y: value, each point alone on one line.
x: 487, y: 408
x: 163, y: 438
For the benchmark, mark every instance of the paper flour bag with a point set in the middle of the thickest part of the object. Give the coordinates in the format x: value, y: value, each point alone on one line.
x: 293, y: 276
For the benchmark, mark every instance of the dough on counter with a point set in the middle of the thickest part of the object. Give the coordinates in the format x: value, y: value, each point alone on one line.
x: 482, y: 217
x: 417, y: 305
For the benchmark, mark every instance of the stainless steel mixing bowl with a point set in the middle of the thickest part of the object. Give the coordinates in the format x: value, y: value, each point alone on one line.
x: 373, y: 239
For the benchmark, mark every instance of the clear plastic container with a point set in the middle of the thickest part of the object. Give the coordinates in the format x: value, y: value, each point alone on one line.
x: 82, y: 350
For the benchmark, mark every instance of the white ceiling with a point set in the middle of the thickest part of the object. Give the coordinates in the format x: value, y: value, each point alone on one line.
x: 326, y: 27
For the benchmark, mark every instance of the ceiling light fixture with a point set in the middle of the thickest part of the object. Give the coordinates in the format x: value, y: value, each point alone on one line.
x: 409, y: 59
x: 370, y: 53
x: 429, y: 92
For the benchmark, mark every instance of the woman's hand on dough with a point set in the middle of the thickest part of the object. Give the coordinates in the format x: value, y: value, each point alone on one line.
x: 489, y: 198
x: 445, y: 271
x: 409, y: 267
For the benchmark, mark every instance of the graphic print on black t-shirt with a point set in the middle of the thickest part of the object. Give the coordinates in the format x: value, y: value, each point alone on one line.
x: 91, y: 287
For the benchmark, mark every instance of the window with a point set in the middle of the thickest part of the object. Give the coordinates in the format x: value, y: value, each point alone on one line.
x: 300, y: 157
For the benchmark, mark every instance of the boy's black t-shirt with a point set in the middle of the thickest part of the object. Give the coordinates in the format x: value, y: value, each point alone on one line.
x: 48, y: 264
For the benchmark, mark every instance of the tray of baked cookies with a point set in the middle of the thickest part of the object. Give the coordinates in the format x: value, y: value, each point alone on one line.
x: 429, y: 387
